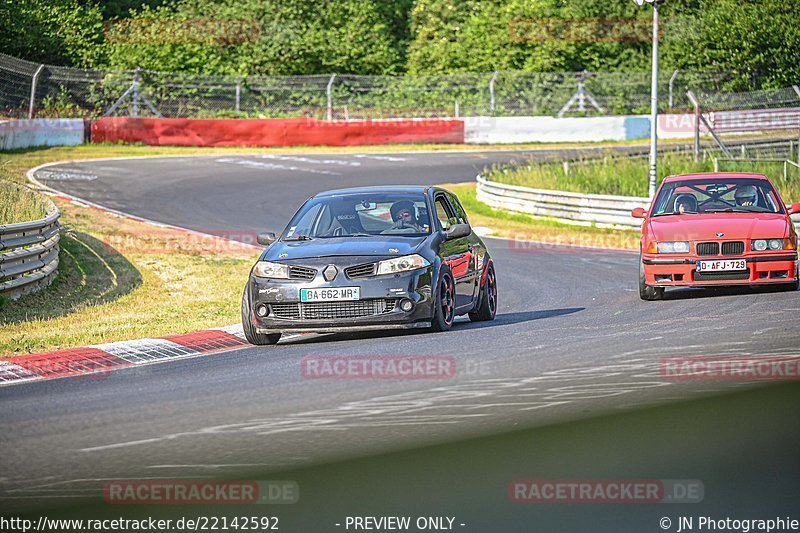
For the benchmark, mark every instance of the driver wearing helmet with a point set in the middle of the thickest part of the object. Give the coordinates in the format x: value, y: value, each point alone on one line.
x: 404, y: 215
x: 685, y: 203
x: 745, y: 195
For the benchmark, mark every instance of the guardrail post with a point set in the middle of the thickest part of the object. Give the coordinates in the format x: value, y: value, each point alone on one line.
x: 135, y: 99
x: 696, y: 105
x: 671, y: 85
x: 34, y: 81
x: 238, y: 92
x: 329, y: 92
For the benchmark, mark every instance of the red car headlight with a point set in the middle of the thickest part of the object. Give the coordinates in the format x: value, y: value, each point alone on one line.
x: 673, y: 247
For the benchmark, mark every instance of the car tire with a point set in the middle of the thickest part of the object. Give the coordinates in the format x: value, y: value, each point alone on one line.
x: 487, y: 305
x: 250, y: 333
x: 646, y: 292
x: 444, y: 311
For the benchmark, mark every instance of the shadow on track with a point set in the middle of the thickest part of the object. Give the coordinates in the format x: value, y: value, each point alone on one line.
x: 502, y: 319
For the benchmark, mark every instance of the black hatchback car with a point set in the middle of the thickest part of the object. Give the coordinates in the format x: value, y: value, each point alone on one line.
x: 370, y: 258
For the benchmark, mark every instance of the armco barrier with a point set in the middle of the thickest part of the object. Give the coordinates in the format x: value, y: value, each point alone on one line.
x: 29, y: 254
x: 40, y: 132
x: 275, y: 132
x: 569, y: 207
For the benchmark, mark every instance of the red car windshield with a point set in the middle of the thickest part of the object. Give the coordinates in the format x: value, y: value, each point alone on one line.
x: 714, y: 195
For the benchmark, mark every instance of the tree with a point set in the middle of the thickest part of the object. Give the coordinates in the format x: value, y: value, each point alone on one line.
x: 59, y: 32
x: 262, y: 37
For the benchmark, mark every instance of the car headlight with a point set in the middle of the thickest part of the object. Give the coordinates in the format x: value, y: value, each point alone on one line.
x: 676, y: 247
x: 759, y: 245
x: 268, y: 269
x: 402, y: 264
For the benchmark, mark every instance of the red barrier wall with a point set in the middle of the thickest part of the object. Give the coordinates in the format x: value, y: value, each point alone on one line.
x: 274, y: 132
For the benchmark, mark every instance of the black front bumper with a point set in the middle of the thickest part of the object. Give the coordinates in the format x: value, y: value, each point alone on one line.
x: 287, y: 314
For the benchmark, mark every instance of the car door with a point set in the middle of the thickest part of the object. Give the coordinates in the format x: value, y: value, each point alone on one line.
x: 455, y: 253
x: 476, y: 250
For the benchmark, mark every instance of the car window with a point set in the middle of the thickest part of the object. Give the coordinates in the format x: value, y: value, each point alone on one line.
x: 361, y: 214
x: 304, y: 224
x: 461, y: 215
x: 443, y: 212
x: 717, y: 194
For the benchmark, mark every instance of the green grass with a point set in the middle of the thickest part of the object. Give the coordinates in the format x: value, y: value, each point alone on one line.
x: 628, y: 177
x: 19, y: 204
x: 121, y: 280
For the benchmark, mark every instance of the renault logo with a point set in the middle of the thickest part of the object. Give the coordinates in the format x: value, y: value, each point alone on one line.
x: 330, y: 273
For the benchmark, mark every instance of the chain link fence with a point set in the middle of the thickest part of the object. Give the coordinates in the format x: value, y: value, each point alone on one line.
x: 728, y: 116
x: 29, y: 89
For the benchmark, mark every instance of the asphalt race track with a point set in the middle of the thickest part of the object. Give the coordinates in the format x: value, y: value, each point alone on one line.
x: 571, y: 341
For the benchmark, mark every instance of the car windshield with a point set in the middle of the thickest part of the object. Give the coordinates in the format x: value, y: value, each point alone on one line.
x: 360, y: 215
x: 714, y: 195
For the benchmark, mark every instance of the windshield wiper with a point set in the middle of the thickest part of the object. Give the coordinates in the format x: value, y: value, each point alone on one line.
x: 298, y: 238
x: 728, y: 210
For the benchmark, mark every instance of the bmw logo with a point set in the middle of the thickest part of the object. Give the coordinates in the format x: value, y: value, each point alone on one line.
x: 720, y: 234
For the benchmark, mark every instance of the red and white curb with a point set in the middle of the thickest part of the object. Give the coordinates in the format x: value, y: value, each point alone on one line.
x: 105, y: 357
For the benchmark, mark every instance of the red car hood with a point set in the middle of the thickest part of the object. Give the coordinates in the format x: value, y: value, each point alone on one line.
x: 736, y: 226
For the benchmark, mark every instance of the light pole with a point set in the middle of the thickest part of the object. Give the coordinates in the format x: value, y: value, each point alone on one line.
x: 653, y: 98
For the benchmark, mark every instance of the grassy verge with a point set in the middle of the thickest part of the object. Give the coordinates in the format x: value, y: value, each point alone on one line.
x: 18, y: 204
x: 628, y: 177
x: 121, y: 280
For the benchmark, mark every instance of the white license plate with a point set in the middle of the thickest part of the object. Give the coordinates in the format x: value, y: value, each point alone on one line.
x: 330, y: 294
x: 721, y: 265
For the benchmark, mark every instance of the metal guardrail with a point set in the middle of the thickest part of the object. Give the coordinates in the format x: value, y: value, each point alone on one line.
x: 29, y: 254
x: 569, y: 207
x: 599, y: 210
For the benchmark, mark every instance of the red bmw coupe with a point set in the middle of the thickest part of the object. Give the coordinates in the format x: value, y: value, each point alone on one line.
x: 714, y: 229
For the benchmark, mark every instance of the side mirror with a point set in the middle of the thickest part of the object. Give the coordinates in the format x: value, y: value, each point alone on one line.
x: 457, y: 231
x: 639, y: 212
x: 794, y: 208
x: 265, y: 239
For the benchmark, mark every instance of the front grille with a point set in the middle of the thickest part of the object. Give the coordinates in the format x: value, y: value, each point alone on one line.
x: 359, y: 271
x: 733, y: 248
x: 718, y: 276
x: 289, y: 311
x: 333, y: 310
x: 707, y: 248
x: 298, y: 272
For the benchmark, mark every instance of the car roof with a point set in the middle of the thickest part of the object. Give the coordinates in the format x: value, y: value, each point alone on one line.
x: 706, y: 175
x: 419, y: 189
